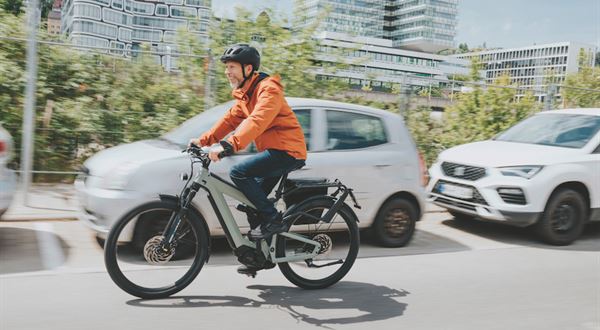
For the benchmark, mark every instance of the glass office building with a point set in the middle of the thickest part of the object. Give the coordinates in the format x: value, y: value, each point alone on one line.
x: 124, y: 24
x: 422, y: 25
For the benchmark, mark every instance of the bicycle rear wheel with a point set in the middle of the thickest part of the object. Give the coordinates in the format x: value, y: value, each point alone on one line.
x: 339, y: 240
x: 149, y: 269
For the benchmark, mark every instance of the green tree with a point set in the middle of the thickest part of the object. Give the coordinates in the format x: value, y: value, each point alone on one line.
x: 284, y: 52
x: 582, y: 89
x: 14, y: 7
x: 88, y: 101
x: 426, y: 132
x: 484, y: 112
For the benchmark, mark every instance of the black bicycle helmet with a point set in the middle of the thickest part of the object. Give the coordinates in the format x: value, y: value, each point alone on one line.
x: 243, y: 54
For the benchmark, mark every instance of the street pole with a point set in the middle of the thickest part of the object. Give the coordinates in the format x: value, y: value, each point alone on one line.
x: 549, y: 100
x: 207, y: 85
x: 168, y: 59
x: 27, y: 142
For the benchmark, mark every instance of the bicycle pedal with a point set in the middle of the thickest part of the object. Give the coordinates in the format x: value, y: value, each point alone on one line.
x: 247, y: 272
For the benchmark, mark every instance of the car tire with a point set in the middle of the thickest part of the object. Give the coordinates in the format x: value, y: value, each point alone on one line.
x: 563, y: 218
x: 395, y: 223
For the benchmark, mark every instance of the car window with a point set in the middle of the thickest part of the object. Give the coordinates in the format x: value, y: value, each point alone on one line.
x: 349, y: 130
x: 195, y: 126
x: 303, y: 116
x: 561, y: 130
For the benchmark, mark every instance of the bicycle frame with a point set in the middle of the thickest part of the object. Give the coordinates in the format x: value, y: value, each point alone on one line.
x: 217, y: 189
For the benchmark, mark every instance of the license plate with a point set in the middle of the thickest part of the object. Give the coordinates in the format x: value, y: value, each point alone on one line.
x: 456, y: 191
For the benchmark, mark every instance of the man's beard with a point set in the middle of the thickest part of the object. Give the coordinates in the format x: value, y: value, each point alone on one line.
x: 234, y: 84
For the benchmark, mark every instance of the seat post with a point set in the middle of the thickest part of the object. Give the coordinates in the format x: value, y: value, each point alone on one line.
x: 279, y: 190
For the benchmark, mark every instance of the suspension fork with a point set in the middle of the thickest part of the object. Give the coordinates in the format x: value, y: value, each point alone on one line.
x: 175, y: 220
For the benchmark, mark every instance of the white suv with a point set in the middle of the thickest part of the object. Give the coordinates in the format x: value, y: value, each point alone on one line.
x: 544, y: 171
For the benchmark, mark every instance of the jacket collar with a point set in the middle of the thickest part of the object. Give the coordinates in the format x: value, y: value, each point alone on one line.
x: 240, y: 93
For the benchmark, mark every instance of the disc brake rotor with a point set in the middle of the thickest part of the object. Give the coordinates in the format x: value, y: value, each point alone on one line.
x: 155, y: 254
x: 326, y: 244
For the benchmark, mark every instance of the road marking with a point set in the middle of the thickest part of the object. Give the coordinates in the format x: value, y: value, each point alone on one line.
x: 51, y: 251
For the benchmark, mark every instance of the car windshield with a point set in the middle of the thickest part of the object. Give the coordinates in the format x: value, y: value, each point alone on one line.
x: 195, y: 126
x: 561, y: 130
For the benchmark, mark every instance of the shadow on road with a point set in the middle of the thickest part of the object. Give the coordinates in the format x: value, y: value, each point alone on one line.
x: 589, y: 240
x: 26, y: 250
x: 359, y: 302
x: 423, y: 242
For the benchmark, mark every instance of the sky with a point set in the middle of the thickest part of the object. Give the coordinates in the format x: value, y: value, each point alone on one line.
x: 498, y: 23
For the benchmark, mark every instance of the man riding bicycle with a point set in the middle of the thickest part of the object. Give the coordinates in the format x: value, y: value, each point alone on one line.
x: 260, y: 114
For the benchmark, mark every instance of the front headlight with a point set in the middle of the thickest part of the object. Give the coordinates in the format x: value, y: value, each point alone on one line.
x: 526, y: 172
x: 118, y: 177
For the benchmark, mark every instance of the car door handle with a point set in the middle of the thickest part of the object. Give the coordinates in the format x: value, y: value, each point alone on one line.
x: 382, y: 165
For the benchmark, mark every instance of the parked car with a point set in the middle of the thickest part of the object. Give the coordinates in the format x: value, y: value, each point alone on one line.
x: 543, y: 172
x: 368, y: 149
x: 8, y: 180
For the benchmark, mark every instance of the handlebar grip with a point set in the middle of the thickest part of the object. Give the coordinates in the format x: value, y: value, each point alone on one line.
x: 222, y: 154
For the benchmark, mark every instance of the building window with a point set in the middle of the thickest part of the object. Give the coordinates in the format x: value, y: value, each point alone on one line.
x: 124, y: 34
x: 183, y: 12
x: 162, y: 10
x: 87, y: 10
x: 195, y: 3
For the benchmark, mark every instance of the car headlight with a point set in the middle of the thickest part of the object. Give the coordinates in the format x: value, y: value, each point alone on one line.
x: 118, y: 177
x: 526, y: 172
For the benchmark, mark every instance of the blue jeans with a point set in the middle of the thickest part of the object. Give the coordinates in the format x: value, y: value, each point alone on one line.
x: 257, y: 176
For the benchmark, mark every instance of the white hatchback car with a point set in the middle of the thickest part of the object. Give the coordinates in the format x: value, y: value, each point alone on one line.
x: 544, y: 171
x: 8, y: 181
x: 369, y: 150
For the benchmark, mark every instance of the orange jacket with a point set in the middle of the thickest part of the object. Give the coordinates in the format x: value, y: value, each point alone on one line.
x: 266, y: 119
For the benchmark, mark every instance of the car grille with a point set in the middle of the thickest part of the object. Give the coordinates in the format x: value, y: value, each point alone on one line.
x: 477, y: 198
x: 512, y: 197
x: 458, y: 204
x: 464, y: 172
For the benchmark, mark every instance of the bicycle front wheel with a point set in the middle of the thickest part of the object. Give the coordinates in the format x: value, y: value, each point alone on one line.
x: 339, y: 241
x: 145, y: 266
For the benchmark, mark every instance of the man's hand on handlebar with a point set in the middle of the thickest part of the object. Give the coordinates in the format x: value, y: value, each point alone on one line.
x: 195, y: 142
x: 215, y: 151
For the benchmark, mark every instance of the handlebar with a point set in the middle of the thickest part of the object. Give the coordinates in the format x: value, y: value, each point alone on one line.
x: 201, y: 152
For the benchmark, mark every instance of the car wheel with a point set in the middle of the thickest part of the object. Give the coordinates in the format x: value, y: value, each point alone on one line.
x: 395, y: 223
x: 563, y: 218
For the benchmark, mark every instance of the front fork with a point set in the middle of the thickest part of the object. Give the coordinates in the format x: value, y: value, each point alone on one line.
x: 175, y: 221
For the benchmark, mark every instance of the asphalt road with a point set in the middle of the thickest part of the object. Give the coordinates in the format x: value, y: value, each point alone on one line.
x: 451, y: 276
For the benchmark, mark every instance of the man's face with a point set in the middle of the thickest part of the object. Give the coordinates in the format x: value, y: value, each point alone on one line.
x: 233, y: 72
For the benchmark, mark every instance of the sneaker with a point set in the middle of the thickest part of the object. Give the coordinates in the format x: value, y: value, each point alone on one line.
x: 274, y: 226
x: 255, y: 232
